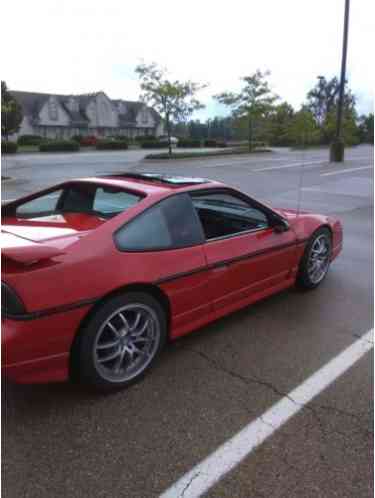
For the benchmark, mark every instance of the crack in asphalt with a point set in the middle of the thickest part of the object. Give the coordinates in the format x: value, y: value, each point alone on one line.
x: 189, y: 483
x: 256, y: 380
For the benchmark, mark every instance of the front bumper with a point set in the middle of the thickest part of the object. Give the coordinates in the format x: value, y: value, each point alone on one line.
x: 338, y: 239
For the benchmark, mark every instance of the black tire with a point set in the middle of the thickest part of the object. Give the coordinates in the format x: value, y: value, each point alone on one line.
x: 304, y: 279
x: 92, y: 370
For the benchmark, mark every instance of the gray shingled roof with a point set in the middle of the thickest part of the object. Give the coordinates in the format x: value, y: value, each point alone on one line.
x: 132, y: 108
x: 32, y: 103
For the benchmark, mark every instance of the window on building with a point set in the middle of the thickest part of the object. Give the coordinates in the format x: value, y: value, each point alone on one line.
x: 52, y: 109
x: 73, y: 105
x: 144, y: 116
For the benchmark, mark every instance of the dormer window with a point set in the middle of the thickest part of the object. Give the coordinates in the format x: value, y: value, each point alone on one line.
x: 53, y: 110
x: 121, y: 108
x: 73, y: 105
x: 104, y: 107
x: 144, y: 116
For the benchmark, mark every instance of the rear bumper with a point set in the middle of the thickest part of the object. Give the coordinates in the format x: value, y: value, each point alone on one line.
x: 38, y: 350
x: 42, y: 370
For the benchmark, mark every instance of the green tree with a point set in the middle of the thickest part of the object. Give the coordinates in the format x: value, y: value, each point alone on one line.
x: 303, y: 129
x: 322, y: 102
x: 350, y: 130
x: 180, y: 130
x: 252, y: 103
x: 174, y: 100
x: 366, y: 128
x: 11, y: 112
x: 278, y: 124
x: 197, y: 130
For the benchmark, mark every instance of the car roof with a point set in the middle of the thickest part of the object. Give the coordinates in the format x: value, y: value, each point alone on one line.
x: 151, y: 183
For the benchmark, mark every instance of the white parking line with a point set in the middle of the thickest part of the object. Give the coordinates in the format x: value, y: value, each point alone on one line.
x: 345, y: 171
x: 209, y: 471
x: 293, y: 165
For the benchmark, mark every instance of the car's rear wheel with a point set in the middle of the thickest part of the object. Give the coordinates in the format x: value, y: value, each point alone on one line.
x: 121, y: 341
x: 316, y: 259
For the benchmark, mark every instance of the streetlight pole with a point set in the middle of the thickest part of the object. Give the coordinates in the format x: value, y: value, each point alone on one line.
x: 337, y: 147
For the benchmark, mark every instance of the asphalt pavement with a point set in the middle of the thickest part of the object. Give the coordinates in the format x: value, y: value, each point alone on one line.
x: 59, y: 440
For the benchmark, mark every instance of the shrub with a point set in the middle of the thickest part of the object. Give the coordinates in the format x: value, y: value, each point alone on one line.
x: 145, y: 138
x: 119, y: 137
x: 210, y: 142
x: 153, y: 144
x: 88, y: 141
x: 59, y: 146
x: 221, y: 143
x: 8, y: 147
x: 188, y: 142
x: 108, y: 144
x: 256, y: 144
x: 29, y: 140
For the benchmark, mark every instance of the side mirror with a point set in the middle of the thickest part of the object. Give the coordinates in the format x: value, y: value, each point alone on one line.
x: 279, y: 225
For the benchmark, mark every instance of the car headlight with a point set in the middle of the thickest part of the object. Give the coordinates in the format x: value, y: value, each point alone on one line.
x: 11, y: 304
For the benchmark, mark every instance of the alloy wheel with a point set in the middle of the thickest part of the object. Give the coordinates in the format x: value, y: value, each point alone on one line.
x: 126, y: 342
x: 319, y: 258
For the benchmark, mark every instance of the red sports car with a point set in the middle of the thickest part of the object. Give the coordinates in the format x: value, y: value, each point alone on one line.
x: 98, y: 273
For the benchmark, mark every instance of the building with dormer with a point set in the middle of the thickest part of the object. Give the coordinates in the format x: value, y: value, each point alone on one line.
x: 63, y: 116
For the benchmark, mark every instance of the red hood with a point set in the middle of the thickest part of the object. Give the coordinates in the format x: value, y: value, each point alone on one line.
x: 289, y: 214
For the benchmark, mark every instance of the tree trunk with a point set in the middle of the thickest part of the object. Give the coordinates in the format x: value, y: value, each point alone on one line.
x: 169, y: 135
x: 250, y: 133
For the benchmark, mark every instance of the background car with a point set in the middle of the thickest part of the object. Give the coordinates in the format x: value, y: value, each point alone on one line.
x: 164, y: 139
x: 99, y: 273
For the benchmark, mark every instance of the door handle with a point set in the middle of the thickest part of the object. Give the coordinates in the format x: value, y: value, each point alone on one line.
x: 220, y: 267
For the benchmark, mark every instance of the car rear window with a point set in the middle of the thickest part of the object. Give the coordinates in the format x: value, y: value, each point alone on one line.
x: 104, y: 201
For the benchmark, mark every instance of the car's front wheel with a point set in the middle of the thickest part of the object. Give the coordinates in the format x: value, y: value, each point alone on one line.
x: 316, y: 259
x: 121, y: 341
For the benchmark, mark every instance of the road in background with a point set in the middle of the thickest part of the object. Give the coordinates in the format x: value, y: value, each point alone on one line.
x: 61, y: 441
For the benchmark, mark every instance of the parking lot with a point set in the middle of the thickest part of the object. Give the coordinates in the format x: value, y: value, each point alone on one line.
x: 59, y: 440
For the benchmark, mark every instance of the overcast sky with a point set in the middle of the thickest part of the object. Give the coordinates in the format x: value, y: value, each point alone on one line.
x: 64, y: 46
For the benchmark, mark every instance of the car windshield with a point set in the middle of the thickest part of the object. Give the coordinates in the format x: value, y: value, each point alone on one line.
x: 96, y: 200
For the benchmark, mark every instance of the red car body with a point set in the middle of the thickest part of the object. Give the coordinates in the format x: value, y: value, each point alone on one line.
x: 62, y: 271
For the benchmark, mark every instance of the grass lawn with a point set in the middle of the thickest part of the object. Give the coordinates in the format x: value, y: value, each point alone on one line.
x: 28, y: 148
x: 192, y: 155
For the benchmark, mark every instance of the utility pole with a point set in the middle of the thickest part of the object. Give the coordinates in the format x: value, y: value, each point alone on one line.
x: 337, y: 146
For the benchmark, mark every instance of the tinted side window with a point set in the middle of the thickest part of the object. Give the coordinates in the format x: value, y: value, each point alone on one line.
x: 223, y: 214
x: 170, y: 224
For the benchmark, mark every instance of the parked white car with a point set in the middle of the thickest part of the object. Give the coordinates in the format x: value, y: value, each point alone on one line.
x: 164, y: 138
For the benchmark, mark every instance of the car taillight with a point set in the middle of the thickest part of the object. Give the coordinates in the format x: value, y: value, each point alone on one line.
x: 11, y: 304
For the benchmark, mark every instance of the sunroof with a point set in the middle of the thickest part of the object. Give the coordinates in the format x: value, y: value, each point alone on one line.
x: 157, y: 177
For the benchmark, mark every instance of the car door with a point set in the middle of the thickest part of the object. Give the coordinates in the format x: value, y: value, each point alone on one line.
x: 246, y: 256
x: 164, y: 244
